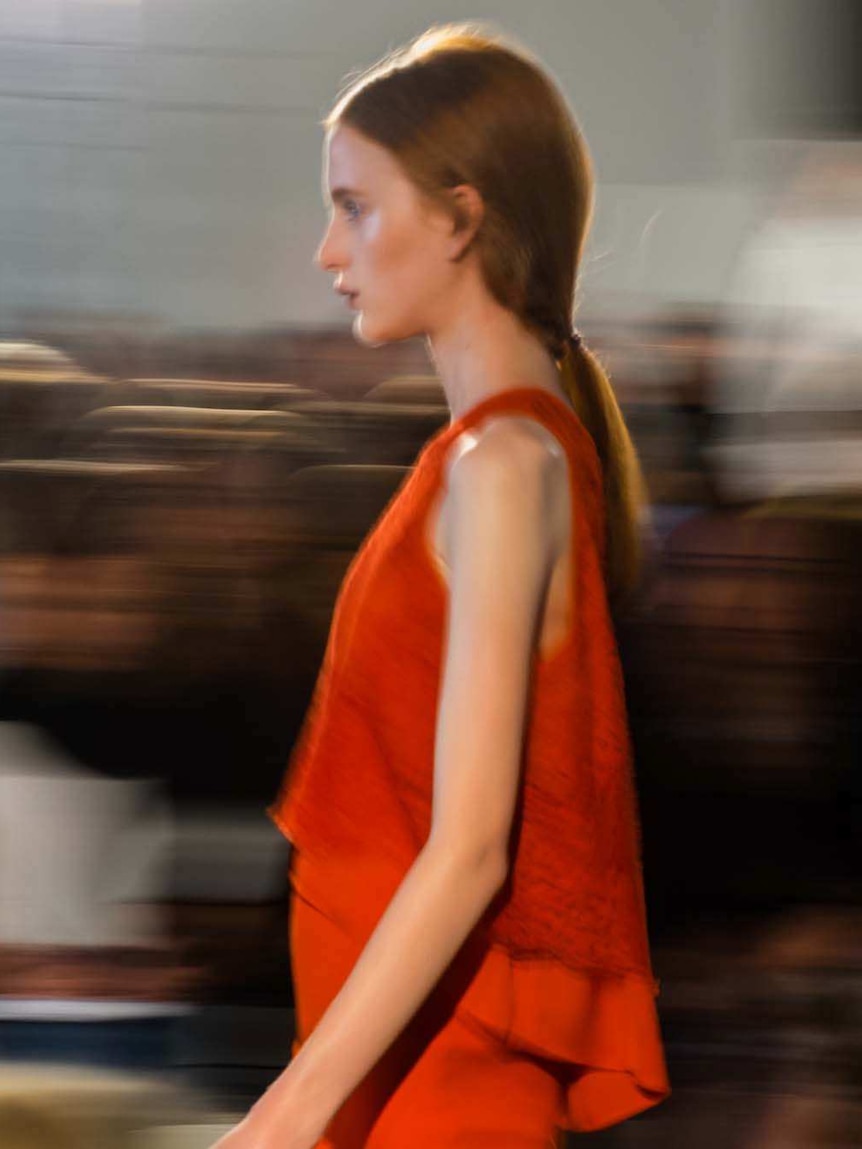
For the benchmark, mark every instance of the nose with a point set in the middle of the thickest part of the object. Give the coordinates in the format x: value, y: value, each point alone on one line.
x: 327, y: 256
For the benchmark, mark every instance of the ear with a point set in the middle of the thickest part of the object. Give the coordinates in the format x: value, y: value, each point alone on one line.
x: 469, y: 209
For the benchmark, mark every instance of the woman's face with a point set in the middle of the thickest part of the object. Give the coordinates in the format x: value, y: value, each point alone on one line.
x: 383, y: 242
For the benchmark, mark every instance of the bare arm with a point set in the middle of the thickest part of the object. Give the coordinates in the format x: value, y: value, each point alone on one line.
x: 500, y: 552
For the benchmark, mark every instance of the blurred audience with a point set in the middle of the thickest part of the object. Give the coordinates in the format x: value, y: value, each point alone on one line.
x: 170, y: 552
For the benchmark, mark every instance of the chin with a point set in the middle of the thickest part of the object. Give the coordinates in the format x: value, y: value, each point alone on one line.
x: 368, y: 335
x: 367, y: 339
x: 372, y: 335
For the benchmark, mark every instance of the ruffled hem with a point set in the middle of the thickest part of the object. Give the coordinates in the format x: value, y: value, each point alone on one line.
x: 599, y: 1027
x: 602, y: 1027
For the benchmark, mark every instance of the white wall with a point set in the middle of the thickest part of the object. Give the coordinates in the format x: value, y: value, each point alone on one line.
x: 162, y: 157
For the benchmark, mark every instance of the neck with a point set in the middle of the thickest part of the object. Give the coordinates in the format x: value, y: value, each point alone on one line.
x: 485, y: 349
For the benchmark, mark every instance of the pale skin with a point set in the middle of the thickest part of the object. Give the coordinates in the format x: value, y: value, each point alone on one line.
x: 500, y: 534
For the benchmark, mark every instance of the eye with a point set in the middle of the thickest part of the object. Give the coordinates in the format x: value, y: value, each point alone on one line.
x: 351, y: 208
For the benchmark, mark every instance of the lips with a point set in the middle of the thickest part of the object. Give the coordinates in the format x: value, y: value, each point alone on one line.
x: 349, y: 296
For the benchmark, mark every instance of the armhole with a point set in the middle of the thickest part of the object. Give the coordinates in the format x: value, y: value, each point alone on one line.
x: 442, y: 570
x: 562, y: 643
x: 558, y: 449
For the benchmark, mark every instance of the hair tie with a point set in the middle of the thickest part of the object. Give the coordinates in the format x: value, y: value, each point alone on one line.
x: 575, y: 339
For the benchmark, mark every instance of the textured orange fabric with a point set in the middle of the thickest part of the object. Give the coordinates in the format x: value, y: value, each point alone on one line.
x: 559, y: 965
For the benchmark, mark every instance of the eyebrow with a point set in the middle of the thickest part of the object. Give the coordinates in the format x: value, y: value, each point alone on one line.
x: 338, y: 194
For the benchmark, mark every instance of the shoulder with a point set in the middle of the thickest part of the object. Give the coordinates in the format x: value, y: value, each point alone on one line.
x: 506, y: 450
x: 507, y: 493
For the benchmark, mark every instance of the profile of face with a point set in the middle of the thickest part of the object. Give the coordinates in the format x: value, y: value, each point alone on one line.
x: 385, y: 243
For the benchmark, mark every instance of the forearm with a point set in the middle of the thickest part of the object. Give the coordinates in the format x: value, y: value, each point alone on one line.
x: 431, y: 914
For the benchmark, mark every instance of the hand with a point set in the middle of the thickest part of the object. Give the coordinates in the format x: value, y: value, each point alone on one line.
x: 272, y: 1125
x: 249, y: 1135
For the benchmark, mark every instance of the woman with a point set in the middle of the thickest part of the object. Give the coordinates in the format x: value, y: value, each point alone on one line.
x: 468, y: 932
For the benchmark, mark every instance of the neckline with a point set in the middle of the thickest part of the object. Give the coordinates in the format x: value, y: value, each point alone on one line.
x: 443, y: 436
x: 506, y: 392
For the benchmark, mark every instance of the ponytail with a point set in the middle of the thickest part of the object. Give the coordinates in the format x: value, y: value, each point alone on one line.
x: 626, y: 499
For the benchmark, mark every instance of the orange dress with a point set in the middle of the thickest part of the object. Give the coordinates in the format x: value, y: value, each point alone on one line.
x: 556, y: 974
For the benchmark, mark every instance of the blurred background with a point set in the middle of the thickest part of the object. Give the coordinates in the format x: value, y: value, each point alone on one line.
x: 192, y: 447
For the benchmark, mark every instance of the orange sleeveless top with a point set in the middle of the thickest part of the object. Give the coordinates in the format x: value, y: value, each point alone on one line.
x: 565, y: 969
